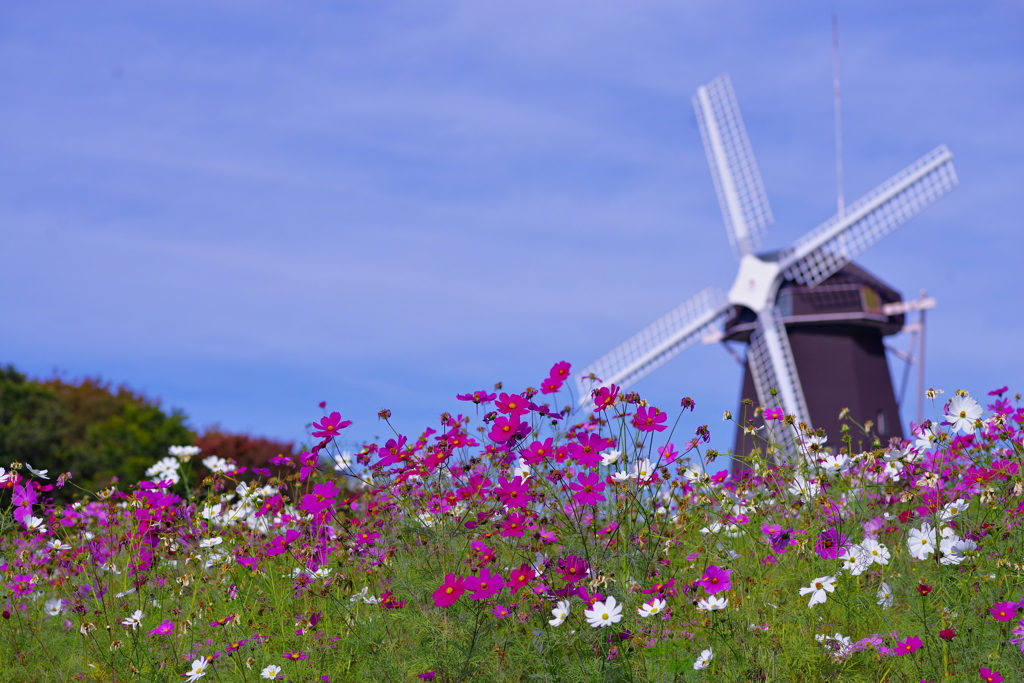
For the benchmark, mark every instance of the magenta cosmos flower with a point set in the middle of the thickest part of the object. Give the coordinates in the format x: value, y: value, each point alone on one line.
x: 550, y: 386
x: 450, y: 591
x: 990, y: 675
x: 477, y: 397
x: 520, y: 577
x: 605, y: 397
x: 587, y: 450
x: 296, y: 655
x: 515, y: 493
x: 588, y: 490
x: 1004, y: 611
x: 166, y: 627
x: 485, y: 585
x: 322, y: 498
x: 572, y: 568
x: 329, y: 426
x: 560, y: 371
x: 513, y: 525
x: 512, y: 404
x: 830, y: 544
x: 505, y: 428
x: 650, y: 419
x: 911, y: 644
x: 715, y: 579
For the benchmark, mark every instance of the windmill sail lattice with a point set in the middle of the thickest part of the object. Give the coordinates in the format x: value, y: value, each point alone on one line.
x: 738, y: 183
x: 657, y: 343
x: 833, y: 244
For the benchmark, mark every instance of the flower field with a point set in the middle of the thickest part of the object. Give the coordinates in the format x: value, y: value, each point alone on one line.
x: 525, y: 540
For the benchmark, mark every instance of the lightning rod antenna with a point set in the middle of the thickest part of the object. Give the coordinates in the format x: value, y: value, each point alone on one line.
x: 839, y: 127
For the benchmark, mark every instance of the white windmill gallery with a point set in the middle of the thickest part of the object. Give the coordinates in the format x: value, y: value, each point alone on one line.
x: 812, y: 320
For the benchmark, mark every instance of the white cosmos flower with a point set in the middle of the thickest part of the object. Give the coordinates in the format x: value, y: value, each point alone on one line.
x: 53, y: 606
x: 560, y: 612
x: 166, y: 469
x: 649, y: 609
x: 183, y: 452
x: 922, y: 542
x: 642, y: 470
x: 35, y: 524
x: 521, y: 469
x: 42, y: 474
x: 964, y: 411
x: 878, y: 553
x: 610, y: 457
x: 926, y: 437
x: 951, y: 510
x: 839, y: 646
x: 210, y: 542
x: 57, y: 544
x: 134, y: 619
x: 198, y: 669
x: 217, y: 464
x: 803, y: 488
x: 819, y: 589
x: 954, y: 549
x: 124, y: 593
x: 604, y: 613
x: 271, y: 671
x: 705, y: 658
x: 855, y: 560
x: 835, y: 464
x: 892, y: 471
x: 884, y: 596
x: 712, y: 603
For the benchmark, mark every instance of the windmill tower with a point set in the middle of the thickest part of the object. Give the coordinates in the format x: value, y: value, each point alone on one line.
x: 812, y: 319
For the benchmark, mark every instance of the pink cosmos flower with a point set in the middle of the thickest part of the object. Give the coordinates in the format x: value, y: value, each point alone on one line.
x: 587, y: 450
x: 296, y: 655
x: 911, y: 644
x: 572, y: 568
x: 520, y: 577
x: 329, y: 426
x: 512, y: 404
x: 560, y: 371
x: 365, y: 537
x: 505, y: 428
x: 650, y: 419
x: 485, y: 585
x: 538, y: 451
x: 166, y: 627
x: 393, y: 452
x: 515, y: 493
x: 609, y: 529
x: 588, y: 490
x: 322, y: 498
x: 477, y: 397
x: 550, y: 386
x: 1004, y: 611
x: 947, y: 634
x: 990, y: 675
x: 774, y: 414
x: 23, y: 498
x: 715, y: 579
x: 513, y: 525
x: 605, y: 397
x: 449, y: 591
x: 830, y: 544
x: 499, y: 611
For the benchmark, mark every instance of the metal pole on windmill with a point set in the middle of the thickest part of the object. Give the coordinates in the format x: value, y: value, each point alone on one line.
x: 839, y: 127
x: 920, y: 362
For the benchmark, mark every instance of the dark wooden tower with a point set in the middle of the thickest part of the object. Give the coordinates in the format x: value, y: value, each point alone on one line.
x: 836, y: 331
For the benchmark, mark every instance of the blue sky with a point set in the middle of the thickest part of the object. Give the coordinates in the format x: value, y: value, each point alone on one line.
x: 245, y: 208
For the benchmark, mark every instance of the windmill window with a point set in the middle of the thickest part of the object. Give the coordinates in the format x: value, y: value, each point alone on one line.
x: 882, y: 424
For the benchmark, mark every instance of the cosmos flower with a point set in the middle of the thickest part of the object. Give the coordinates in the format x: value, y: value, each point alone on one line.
x: 819, y: 589
x: 715, y: 579
x: 963, y: 413
x: 921, y: 542
x: 198, y: 669
x: 271, y: 671
x: 588, y: 490
x: 704, y: 660
x: 485, y: 585
x: 652, y: 607
x: 559, y: 613
x: 449, y: 591
x: 329, y: 426
x: 604, y: 613
x: 884, y: 595
x: 134, y: 620
x: 712, y: 604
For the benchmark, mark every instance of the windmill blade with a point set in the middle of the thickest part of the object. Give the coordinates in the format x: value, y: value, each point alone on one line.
x: 772, y: 366
x: 656, y: 344
x: 833, y: 244
x: 737, y: 180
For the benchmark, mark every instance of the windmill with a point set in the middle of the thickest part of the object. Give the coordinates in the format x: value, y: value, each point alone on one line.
x: 805, y: 307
